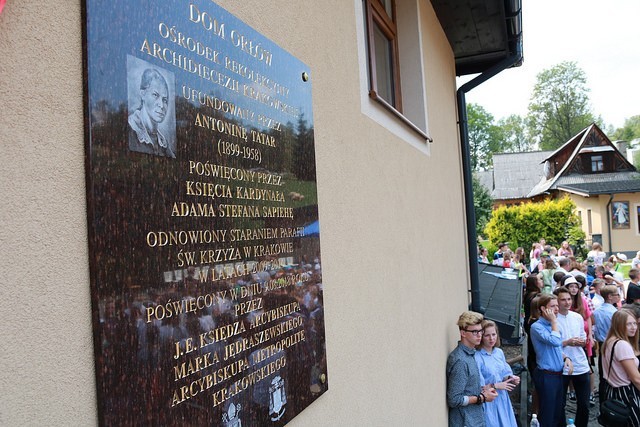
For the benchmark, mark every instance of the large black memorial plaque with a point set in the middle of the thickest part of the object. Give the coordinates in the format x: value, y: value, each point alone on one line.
x: 205, y: 263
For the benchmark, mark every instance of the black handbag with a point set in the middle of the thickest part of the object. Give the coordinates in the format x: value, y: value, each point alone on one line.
x: 613, y: 413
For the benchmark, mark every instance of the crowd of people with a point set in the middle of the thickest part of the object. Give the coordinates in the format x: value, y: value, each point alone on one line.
x: 581, y: 320
x: 155, y: 355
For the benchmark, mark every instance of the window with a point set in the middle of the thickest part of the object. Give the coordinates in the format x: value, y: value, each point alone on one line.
x: 597, y: 164
x: 384, y: 74
x: 589, y: 223
x: 392, y: 67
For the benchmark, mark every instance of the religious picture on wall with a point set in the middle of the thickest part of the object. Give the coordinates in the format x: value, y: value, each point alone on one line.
x: 620, y: 215
x: 152, y: 123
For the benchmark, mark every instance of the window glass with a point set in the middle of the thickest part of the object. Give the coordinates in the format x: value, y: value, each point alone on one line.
x: 395, y: 65
x: 597, y: 165
x: 384, y: 73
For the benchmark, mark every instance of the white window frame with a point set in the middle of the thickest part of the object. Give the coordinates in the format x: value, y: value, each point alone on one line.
x: 412, y: 76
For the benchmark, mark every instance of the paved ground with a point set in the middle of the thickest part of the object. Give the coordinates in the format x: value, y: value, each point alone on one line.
x: 593, y: 412
x: 571, y: 411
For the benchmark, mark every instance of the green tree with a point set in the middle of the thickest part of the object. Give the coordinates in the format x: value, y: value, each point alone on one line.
x: 482, y: 204
x: 559, y: 106
x: 484, y: 137
x: 514, y: 134
x: 630, y: 130
x: 304, y: 168
x: 553, y: 220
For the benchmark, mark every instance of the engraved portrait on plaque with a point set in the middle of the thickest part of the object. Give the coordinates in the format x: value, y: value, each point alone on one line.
x: 151, y: 105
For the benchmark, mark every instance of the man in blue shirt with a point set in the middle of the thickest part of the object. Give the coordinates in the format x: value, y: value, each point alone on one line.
x: 547, y: 377
x: 465, y: 395
x: 602, y: 316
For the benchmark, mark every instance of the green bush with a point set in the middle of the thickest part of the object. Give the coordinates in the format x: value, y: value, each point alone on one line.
x: 521, y: 225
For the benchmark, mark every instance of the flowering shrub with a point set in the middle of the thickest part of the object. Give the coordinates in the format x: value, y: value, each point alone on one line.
x: 521, y: 225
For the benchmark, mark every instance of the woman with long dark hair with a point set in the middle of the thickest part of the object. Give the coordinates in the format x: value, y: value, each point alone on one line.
x: 533, y: 286
x: 531, y: 351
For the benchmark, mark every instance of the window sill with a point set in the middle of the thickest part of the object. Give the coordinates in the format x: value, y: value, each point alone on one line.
x: 373, y: 95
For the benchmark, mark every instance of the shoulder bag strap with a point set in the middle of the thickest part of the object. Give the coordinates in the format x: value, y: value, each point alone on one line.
x: 611, y: 360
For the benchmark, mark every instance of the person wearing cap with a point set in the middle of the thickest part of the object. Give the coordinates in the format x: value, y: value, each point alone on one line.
x: 581, y: 305
x: 584, y: 291
x: 587, y: 315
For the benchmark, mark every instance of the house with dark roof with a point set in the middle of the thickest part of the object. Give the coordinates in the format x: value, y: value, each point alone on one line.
x: 603, y: 184
x: 589, y: 169
x: 513, y: 176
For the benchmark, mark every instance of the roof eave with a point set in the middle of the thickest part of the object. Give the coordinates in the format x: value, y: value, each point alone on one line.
x: 481, y: 32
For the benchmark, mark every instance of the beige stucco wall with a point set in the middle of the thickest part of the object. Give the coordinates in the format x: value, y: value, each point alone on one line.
x: 583, y: 206
x: 622, y: 239
x: 393, y: 238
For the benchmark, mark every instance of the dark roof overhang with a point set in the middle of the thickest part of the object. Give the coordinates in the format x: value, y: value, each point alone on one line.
x: 597, y: 188
x: 481, y: 32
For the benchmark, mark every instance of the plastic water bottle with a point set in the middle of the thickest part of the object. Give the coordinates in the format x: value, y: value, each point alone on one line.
x: 534, y: 421
x: 571, y: 424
